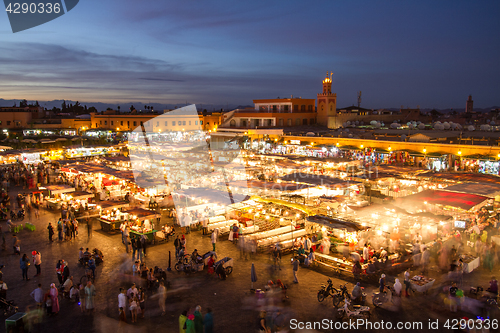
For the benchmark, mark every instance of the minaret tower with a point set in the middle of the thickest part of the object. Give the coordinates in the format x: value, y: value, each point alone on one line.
x: 327, y: 103
x: 469, y: 105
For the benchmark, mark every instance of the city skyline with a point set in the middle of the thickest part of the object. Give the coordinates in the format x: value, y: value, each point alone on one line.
x: 398, y: 54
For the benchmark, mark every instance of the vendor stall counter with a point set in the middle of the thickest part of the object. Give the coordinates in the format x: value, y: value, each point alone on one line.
x: 150, y: 235
x: 335, y: 263
x: 421, y: 283
x: 470, y: 263
x: 280, y: 238
x: 223, y: 226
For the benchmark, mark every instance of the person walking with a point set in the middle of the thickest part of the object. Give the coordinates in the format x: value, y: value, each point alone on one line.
x: 65, y: 273
x: 139, y: 249
x: 59, y: 271
x: 141, y: 296
x: 54, y: 296
x: 407, y: 282
x: 133, y: 243
x: 213, y: 238
x: 177, y: 244
x: 16, y: 245
x: 89, y: 228
x: 90, y: 295
x: 208, y: 321
x: 277, y: 257
x: 50, y: 228
x: 143, y: 243
x: 122, y: 301
x: 182, y: 322
x: 295, y: 269
x: 198, y: 320
x: 60, y: 230
x: 162, y: 297
x: 37, y: 260
x: 82, y: 297
x: 24, y: 263
x: 134, y: 305
x: 126, y: 241
x: 262, y: 324
x: 190, y: 328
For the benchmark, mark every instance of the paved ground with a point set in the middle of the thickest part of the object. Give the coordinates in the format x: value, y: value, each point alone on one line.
x: 234, y: 307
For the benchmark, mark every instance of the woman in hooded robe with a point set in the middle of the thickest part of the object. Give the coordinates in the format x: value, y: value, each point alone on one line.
x: 54, y: 297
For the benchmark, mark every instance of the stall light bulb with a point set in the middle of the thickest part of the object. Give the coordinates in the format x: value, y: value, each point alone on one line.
x: 379, y: 232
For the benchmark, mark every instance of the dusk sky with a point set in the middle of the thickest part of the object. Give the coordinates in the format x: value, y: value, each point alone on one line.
x: 427, y: 53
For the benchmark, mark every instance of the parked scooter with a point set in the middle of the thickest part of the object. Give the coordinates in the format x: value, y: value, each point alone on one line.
x: 357, y: 311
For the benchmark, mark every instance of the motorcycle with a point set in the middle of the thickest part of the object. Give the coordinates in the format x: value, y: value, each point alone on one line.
x: 325, y: 291
x: 337, y: 295
x: 19, y: 216
x: 8, y: 307
x: 184, y: 264
x: 378, y: 298
x: 357, y: 311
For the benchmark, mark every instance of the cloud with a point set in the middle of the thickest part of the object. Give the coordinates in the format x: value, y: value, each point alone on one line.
x: 55, y: 71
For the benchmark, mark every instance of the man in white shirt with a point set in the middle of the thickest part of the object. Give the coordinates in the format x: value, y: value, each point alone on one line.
x: 122, y: 300
x: 366, y: 254
x: 205, y: 225
x: 38, y: 295
x: 383, y: 253
x: 68, y: 284
x: 187, y: 223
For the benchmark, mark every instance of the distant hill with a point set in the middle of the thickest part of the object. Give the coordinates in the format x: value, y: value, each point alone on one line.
x: 124, y: 107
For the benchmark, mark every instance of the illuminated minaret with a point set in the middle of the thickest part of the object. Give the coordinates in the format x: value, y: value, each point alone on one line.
x: 327, y: 103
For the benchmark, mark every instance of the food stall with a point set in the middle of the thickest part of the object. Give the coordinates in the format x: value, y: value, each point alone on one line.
x: 110, y: 215
x: 56, y: 193
x: 143, y: 222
